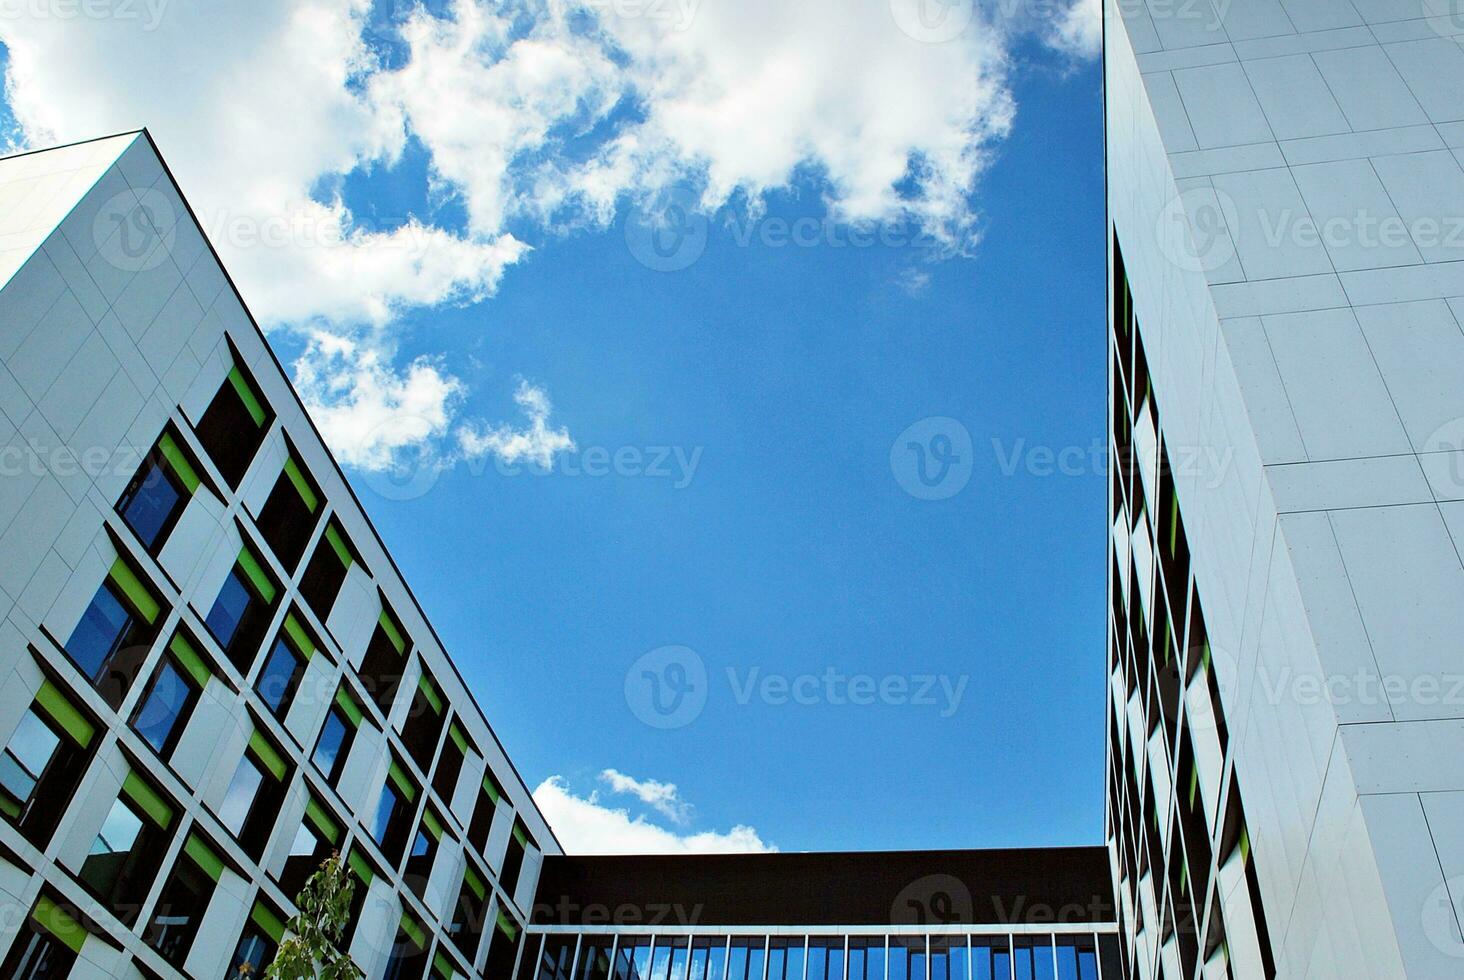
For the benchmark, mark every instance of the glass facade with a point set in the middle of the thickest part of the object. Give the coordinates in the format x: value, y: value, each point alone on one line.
x: 1175, y: 825
x: 588, y: 953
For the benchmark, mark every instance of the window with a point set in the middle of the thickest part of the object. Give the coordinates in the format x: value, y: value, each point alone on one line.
x: 990, y: 960
x: 450, y: 763
x: 336, y: 735
x: 633, y: 961
x: 867, y: 959
x: 470, y: 912
x: 258, y: 943
x: 46, y: 945
x: 157, y: 495
x: 484, y: 811
x: 557, y: 960
x: 394, y: 812
x: 594, y: 958
x: 241, y: 613
x: 825, y: 961
x: 326, y: 572
x: 423, y: 727
x: 254, y: 795
x: 167, y: 705
x: 112, y: 638
x: 289, y: 514
x: 315, y: 841
x: 513, y: 860
x: 409, y: 952
x: 126, y: 854
x: 381, y: 669
x: 184, y: 900
x: 364, y: 874
x: 233, y: 426
x: 424, y: 849
x: 42, y: 764
x: 502, y: 950
x: 280, y: 676
x: 785, y: 959
x: 949, y: 958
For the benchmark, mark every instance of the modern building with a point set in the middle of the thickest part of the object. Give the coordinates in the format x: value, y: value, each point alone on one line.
x: 1286, y: 676
x: 211, y: 675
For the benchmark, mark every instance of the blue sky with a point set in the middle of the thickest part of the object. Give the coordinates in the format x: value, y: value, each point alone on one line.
x: 747, y: 411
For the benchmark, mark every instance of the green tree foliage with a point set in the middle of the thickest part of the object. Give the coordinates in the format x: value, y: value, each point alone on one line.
x: 310, y: 951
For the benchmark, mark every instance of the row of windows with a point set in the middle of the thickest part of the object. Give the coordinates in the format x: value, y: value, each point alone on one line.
x: 1163, y: 779
x: 52, y: 745
x: 828, y: 957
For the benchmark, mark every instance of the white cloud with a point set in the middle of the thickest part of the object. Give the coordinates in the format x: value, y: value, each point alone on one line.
x: 663, y: 797
x: 584, y: 825
x: 538, y: 443
x: 913, y: 282
x: 1079, y: 31
x: 547, y: 115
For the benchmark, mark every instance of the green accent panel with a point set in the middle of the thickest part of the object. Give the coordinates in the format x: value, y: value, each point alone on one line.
x: 458, y: 738
x: 189, y: 659
x: 475, y: 884
x: 210, y: 862
x: 268, y: 922
x: 490, y: 786
x: 429, y: 691
x: 9, y: 807
x: 178, y: 462
x: 414, y: 931
x: 267, y: 755
x: 520, y: 834
x: 54, y: 919
x: 256, y: 574
x: 403, y: 782
x: 361, y: 867
x: 136, y: 592
x: 247, y: 395
x: 1194, y: 784
x: 302, y: 485
x: 342, y: 550
x: 64, y: 713
x: 348, y: 706
x: 1173, y: 524
x: 148, y: 800
x: 323, y: 821
x: 443, y: 966
x: 301, y: 640
x: 1244, y: 845
x: 507, y: 925
x: 393, y: 631
x: 433, y: 825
